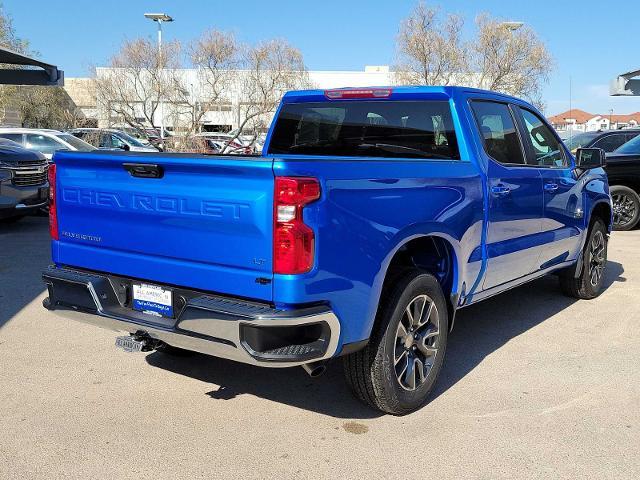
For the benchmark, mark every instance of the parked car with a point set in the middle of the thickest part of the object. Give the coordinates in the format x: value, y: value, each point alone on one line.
x: 623, y: 169
x: 233, y: 145
x: 608, y: 140
x: 370, y: 218
x: 194, y: 144
x: 141, y: 135
x: 250, y: 138
x: 111, y: 139
x: 24, y: 188
x: 45, y: 141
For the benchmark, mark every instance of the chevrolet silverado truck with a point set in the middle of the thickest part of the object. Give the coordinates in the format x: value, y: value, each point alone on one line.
x: 370, y: 218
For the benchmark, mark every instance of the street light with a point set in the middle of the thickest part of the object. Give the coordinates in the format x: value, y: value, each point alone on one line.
x: 512, y: 26
x: 159, y: 18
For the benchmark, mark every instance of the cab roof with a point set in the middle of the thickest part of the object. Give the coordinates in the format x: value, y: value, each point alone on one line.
x: 394, y: 93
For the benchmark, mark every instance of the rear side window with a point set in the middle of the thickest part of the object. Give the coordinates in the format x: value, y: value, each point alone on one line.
x: 16, y: 137
x: 389, y: 129
x: 611, y: 142
x: 498, y: 131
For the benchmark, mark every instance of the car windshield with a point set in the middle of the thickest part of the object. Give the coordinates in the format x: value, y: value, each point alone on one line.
x: 76, y: 143
x: 631, y: 147
x: 579, y: 140
x: 410, y: 129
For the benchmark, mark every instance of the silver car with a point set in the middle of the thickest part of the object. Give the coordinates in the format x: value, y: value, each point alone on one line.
x: 45, y: 141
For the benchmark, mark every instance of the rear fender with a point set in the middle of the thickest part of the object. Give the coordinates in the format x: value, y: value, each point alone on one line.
x: 403, y: 238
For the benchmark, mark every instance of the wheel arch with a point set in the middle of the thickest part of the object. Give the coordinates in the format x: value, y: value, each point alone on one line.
x: 436, y: 253
x: 602, y: 209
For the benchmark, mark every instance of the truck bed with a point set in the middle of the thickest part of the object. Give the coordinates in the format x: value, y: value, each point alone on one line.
x: 204, y: 221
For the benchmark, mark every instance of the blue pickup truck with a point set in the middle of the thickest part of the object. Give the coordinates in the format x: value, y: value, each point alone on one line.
x: 371, y: 217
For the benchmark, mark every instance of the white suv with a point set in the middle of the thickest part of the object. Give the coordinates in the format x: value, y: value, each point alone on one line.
x: 45, y: 141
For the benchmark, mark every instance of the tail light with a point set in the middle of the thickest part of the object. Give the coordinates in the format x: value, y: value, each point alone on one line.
x: 53, y: 208
x: 293, y: 241
x: 348, y: 93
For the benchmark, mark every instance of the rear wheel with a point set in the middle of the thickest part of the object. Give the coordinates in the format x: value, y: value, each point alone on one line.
x: 397, y: 370
x: 589, y: 283
x: 626, y: 207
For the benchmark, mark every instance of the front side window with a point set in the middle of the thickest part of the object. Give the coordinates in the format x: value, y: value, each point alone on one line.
x: 117, y: 142
x: 378, y: 128
x: 498, y: 131
x: 547, y: 149
x: 43, y: 143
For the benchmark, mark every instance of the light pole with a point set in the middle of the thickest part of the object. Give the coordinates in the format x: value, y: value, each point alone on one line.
x: 159, y: 18
x: 610, y: 115
x: 512, y: 26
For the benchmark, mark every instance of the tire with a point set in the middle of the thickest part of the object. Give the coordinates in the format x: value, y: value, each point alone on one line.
x: 626, y: 207
x: 589, y: 283
x: 380, y: 374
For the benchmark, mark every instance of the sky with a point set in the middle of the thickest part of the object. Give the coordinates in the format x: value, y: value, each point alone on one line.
x: 590, y: 41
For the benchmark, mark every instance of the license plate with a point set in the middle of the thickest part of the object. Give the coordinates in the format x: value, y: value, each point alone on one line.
x: 128, y: 344
x: 153, y: 300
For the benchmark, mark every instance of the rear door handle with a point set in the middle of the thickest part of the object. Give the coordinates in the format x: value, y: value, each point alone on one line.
x: 550, y: 187
x: 144, y: 170
x: 500, y: 190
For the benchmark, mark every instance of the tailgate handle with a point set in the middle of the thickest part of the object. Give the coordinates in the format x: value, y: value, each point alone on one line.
x: 144, y: 170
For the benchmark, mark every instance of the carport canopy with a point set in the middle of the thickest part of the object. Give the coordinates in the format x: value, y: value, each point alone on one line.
x: 626, y: 84
x: 14, y: 72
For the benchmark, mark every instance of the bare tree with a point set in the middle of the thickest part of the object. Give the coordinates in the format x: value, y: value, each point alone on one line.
x: 226, y: 73
x: 510, y: 61
x: 430, y: 50
x: 137, y: 80
x: 270, y: 69
x: 215, y: 56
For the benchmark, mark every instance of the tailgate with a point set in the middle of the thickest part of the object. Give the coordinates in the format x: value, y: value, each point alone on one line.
x: 205, y: 224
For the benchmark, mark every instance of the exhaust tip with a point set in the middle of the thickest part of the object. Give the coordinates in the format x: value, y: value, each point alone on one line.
x: 314, y: 370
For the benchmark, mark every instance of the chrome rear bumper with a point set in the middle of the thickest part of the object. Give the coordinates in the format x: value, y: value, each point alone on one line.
x: 247, y: 332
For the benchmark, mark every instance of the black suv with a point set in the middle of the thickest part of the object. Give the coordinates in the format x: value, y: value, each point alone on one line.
x: 623, y: 170
x: 607, y: 140
x: 24, y: 188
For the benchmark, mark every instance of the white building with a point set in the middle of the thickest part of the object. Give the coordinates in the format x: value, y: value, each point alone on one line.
x: 226, y: 115
x: 580, y: 121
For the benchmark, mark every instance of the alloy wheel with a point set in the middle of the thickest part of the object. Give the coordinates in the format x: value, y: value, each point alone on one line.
x: 597, y: 258
x: 624, y: 209
x: 416, y: 343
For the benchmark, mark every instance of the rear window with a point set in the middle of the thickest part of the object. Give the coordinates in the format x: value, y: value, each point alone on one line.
x: 390, y: 129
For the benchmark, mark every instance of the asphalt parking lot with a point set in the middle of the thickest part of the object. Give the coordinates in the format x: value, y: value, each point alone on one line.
x: 535, y: 385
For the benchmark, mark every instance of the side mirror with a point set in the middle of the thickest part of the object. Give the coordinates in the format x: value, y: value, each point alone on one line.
x: 587, y: 158
x: 125, y: 147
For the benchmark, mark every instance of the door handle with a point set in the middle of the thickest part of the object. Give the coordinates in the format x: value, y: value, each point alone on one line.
x: 500, y: 190
x: 550, y: 187
x: 144, y: 170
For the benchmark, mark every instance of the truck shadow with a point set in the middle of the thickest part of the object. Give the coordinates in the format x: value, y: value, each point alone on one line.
x: 479, y: 331
x: 24, y: 253
x: 483, y: 328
